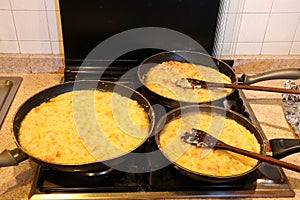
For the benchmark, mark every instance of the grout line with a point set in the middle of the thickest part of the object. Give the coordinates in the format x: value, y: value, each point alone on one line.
x: 238, y: 25
x: 294, y: 36
x: 15, y: 27
x: 224, y: 26
x: 266, y: 28
x: 30, y: 40
x: 282, y: 12
x: 48, y: 26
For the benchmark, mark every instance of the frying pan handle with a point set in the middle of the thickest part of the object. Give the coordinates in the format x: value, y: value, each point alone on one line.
x: 284, y: 147
x: 12, y: 157
x: 291, y: 73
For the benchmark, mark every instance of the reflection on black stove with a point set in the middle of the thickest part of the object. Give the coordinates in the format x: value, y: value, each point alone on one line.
x: 166, y: 179
x: 235, y: 103
x: 271, y: 172
x: 169, y: 179
x: 54, y: 181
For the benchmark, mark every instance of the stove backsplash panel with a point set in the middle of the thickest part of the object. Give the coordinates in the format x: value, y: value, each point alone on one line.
x: 86, y: 24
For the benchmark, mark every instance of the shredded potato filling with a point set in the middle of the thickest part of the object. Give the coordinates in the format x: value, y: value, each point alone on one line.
x: 84, y: 126
x: 162, y: 78
x: 209, y: 161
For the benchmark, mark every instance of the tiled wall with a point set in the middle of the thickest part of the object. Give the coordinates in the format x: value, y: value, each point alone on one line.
x: 249, y: 27
x: 30, y: 26
x: 260, y: 27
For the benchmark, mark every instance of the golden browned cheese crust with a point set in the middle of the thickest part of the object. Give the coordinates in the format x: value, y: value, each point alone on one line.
x: 162, y: 78
x: 209, y: 161
x: 84, y: 126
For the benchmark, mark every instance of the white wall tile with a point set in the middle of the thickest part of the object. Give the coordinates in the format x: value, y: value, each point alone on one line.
x: 7, y: 30
x: 253, y: 27
x: 281, y: 27
x: 35, y: 47
x: 9, y: 46
x: 4, y: 4
x: 31, y: 25
x: 248, y: 48
x: 297, y: 34
x: 276, y: 48
x: 54, y: 25
x: 52, y: 4
x: 235, y: 6
x: 258, y: 6
x: 57, y: 47
x: 231, y: 27
x: 295, y: 50
x: 286, y: 6
x: 226, y: 49
x: 27, y: 4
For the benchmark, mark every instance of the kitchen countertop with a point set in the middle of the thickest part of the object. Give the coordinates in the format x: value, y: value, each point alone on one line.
x: 15, y: 182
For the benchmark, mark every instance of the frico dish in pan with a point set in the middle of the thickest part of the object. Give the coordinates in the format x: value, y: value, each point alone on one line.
x: 84, y: 126
x: 213, y: 162
x: 162, y: 78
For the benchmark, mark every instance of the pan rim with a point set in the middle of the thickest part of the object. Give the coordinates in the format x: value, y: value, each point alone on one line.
x: 141, y: 76
x: 258, y: 135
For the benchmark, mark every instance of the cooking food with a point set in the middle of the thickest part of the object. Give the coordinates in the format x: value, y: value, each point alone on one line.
x: 162, y: 79
x: 83, y: 126
x: 214, y: 162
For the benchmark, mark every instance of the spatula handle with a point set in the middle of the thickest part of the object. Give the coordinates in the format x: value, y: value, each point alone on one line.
x: 261, y: 157
x: 257, y: 88
x: 205, y: 84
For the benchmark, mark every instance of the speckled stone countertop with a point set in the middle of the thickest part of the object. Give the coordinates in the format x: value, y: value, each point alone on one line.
x: 15, y: 182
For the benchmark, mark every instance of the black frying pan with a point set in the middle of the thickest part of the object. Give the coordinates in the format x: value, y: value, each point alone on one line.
x: 13, y: 157
x: 189, y: 109
x: 209, y: 61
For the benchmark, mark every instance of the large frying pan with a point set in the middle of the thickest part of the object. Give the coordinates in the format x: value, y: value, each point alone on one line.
x: 211, y: 62
x: 190, y: 109
x: 13, y: 157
